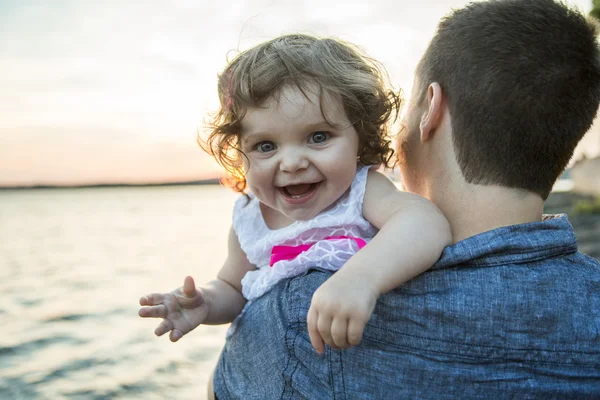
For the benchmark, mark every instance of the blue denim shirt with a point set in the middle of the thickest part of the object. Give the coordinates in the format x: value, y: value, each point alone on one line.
x: 509, y: 313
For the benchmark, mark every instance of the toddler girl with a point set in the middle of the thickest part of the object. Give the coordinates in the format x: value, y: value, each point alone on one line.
x: 302, y: 127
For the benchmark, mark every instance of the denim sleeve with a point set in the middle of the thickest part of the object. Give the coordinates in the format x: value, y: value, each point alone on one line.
x: 269, y: 355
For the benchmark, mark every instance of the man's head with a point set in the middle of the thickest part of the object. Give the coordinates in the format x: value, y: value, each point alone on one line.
x: 515, y: 83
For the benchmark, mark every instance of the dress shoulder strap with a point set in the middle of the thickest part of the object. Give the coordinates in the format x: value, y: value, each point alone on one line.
x: 246, y: 215
x: 359, y: 185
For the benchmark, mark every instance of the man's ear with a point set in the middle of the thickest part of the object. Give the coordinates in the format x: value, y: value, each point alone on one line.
x: 432, y: 117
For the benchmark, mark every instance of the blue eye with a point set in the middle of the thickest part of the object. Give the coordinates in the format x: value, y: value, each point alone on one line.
x: 319, y: 137
x: 265, y: 147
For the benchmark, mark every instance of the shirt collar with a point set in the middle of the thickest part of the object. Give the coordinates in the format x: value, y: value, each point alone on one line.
x: 513, y: 244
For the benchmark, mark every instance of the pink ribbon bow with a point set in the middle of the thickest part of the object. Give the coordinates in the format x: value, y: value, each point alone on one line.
x: 279, y: 253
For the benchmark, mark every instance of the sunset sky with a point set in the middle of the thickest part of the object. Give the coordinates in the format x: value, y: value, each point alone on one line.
x: 115, y: 91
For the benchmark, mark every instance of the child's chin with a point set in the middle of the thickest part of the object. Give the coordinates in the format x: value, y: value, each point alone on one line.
x: 303, y: 216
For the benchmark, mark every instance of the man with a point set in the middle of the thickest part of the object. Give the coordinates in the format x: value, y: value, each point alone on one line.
x: 502, y: 95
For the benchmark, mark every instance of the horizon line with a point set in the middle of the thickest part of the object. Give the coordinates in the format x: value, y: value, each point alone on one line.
x: 210, y: 181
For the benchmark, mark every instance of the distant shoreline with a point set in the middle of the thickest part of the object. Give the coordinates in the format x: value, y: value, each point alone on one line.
x: 113, y: 185
x: 562, y: 185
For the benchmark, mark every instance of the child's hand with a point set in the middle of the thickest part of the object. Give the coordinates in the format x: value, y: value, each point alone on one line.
x: 181, y: 310
x: 339, y: 311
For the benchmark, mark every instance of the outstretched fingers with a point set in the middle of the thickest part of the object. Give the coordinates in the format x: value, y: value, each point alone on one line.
x: 172, y: 307
x: 189, y: 287
x: 152, y: 299
x: 164, y: 327
x: 175, y: 335
x: 159, y: 311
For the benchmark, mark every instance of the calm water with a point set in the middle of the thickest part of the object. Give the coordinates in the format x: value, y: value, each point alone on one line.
x: 73, y: 264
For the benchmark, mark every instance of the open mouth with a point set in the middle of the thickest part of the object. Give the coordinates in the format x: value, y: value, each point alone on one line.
x: 298, y: 193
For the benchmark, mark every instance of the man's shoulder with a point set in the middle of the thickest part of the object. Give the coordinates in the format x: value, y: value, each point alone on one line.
x: 468, y: 322
x: 588, y: 260
x: 543, y: 310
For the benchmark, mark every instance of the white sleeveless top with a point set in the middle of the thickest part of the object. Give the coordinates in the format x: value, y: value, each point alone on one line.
x: 344, y: 218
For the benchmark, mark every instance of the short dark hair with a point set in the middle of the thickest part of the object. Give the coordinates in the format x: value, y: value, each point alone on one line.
x: 522, y: 82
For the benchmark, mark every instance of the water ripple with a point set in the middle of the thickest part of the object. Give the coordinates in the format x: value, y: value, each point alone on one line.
x: 35, y: 345
x: 73, y: 264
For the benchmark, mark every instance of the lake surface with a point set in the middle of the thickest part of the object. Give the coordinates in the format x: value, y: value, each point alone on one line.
x: 73, y: 265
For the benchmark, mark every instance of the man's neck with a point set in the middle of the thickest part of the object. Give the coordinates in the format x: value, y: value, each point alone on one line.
x: 473, y: 209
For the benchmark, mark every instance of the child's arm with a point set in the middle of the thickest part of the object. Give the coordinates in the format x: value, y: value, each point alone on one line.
x: 218, y: 302
x: 413, y: 233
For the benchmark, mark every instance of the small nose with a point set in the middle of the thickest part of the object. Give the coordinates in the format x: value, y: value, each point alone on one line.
x: 292, y: 160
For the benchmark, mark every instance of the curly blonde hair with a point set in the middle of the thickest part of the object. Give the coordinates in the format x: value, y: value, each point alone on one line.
x: 336, y: 67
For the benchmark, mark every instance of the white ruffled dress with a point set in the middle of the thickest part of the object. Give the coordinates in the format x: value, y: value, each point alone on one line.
x: 344, y: 218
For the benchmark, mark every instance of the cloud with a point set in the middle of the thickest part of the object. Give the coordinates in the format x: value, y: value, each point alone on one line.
x: 101, y: 155
x: 89, y: 86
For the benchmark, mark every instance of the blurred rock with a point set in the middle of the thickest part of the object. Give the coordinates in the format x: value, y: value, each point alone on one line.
x: 586, y: 226
x: 585, y: 175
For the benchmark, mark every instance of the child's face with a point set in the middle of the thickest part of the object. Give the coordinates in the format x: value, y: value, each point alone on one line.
x: 298, y: 164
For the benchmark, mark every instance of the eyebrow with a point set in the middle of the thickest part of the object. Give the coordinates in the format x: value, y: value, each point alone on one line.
x: 324, y: 123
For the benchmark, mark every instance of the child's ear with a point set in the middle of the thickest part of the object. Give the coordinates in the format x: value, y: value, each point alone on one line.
x: 431, y: 118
